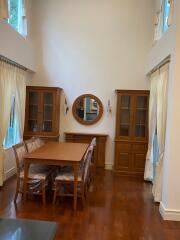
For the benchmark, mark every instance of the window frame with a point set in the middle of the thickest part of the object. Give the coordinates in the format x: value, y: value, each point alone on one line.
x: 21, y: 27
x: 166, y: 9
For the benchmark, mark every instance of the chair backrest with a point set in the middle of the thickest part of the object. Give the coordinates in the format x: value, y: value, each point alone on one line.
x: 19, y: 151
x: 31, y: 145
x: 87, y: 159
x: 93, y: 142
x: 39, y: 142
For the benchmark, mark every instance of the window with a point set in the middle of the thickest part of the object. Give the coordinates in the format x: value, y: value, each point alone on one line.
x: 17, y: 17
x: 13, y: 13
x: 12, y: 135
x: 165, y: 15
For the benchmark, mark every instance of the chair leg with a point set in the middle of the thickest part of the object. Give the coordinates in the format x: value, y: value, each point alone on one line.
x: 91, y: 176
x: 86, y: 189
x: 43, y: 192
x: 17, y: 189
x: 83, y: 195
x: 55, y: 193
x: 83, y: 200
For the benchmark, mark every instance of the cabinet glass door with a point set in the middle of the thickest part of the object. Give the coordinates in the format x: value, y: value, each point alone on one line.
x: 125, y: 116
x: 48, y: 112
x: 33, y: 112
x: 141, y: 116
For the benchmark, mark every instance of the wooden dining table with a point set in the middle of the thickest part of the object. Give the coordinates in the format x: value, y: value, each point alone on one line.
x: 57, y: 154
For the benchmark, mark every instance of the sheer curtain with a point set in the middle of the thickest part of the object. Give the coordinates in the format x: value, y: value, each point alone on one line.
x: 162, y: 84
x: 7, y: 87
x: 157, y: 120
x: 149, y: 172
x: 12, y: 84
x: 4, y: 13
x: 20, y: 99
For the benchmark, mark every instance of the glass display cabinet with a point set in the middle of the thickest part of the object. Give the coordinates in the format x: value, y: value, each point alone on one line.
x: 131, y: 131
x: 42, y: 112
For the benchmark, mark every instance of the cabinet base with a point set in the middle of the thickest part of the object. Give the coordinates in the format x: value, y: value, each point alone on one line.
x: 128, y: 174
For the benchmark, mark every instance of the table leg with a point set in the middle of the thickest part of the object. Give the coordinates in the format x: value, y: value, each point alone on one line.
x: 26, y: 170
x: 76, y: 169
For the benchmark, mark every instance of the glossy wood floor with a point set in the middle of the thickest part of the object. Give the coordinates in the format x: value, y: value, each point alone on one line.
x: 118, y: 208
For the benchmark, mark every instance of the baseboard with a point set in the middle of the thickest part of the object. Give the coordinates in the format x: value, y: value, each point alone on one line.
x: 169, y: 214
x: 109, y: 166
x: 10, y: 173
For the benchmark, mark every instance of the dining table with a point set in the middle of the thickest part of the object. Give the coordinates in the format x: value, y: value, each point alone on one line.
x: 56, y: 154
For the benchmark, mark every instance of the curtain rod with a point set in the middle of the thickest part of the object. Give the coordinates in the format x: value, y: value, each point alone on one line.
x: 160, y: 65
x: 7, y: 60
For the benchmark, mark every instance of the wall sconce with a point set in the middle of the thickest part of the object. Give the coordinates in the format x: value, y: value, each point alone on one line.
x: 66, y: 107
x: 109, y: 108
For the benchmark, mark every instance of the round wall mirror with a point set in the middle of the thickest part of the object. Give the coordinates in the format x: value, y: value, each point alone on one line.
x: 87, y: 109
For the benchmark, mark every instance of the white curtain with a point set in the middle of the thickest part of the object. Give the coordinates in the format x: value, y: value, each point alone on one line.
x: 7, y: 87
x: 20, y: 99
x: 148, y: 174
x: 4, y: 12
x: 158, y: 22
x: 171, y: 11
x: 12, y: 83
x: 162, y: 84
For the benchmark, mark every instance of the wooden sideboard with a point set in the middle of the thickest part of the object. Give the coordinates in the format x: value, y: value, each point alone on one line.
x: 100, y: 149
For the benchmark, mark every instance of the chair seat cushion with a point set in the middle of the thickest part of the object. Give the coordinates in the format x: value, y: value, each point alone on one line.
x: 67, y: 176
x: 36, y: 174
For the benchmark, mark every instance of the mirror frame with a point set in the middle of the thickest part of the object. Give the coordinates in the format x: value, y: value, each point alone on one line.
x: 81, y: 121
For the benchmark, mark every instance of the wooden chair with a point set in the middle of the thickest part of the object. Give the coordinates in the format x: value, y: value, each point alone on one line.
x: 64, y: 180
x: 31, y: 144
x: 92, y: 165
x: 38, y: 142
x: 37, y: 181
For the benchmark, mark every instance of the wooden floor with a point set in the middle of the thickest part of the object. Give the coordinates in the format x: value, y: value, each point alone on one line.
x: 118, y: 208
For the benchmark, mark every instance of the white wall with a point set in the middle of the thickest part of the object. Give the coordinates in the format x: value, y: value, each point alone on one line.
x: 170, y: 205
x: 170, y: 45
x: 16, y: 47
x: 89, y: 46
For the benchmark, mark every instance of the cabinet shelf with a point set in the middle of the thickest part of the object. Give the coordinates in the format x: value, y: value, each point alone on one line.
x: 141, y: 109
x: 125, y: 108
x: 48, y: 105
x: 33, y: 104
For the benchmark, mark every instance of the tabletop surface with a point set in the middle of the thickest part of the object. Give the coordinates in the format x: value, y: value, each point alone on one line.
x: 19, y: 229
x: 62, y: 151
